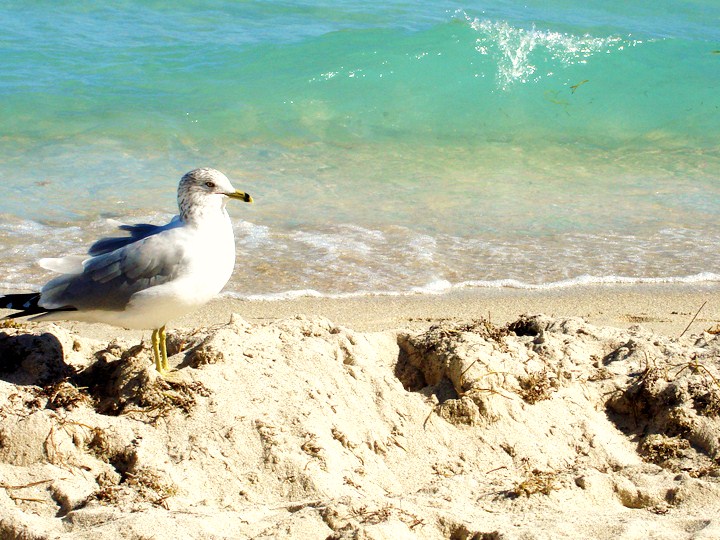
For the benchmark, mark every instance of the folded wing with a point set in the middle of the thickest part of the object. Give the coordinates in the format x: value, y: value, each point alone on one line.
x: 109, y: 279
x: 137, y: 232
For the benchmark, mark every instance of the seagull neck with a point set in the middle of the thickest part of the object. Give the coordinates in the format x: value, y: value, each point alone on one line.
x: 198, y: 215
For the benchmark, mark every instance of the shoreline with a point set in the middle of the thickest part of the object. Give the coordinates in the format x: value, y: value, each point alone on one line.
x: 666, y: 309
x: 663, y: 308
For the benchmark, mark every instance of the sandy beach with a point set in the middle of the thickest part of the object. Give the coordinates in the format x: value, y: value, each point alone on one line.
x: 478, y: 414
x: 663, y: 308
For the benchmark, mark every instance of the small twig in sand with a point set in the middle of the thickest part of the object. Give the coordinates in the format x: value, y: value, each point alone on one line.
x: 28, y: 499
x: 300, y: 505
x: 17, y: 498
x: 428, y: 417
x: 693, y: 319
x: 467, y: 369
x: 697, y: 367
x: 31, y: 484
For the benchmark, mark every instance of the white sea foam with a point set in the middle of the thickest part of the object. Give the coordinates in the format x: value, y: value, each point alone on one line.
x: 440, y: 287
x: 513, y: 48
x: 703, y: 277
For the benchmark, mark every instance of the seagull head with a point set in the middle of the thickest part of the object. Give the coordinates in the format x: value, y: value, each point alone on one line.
x: 206, y: 187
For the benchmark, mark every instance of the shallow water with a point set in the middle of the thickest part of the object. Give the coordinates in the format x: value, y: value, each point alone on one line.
x: 390, y: 148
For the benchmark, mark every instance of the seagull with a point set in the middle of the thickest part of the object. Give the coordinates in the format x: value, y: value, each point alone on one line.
x: 157, y: 273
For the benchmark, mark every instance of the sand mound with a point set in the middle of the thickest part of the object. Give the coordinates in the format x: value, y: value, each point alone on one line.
x: 298, y: 428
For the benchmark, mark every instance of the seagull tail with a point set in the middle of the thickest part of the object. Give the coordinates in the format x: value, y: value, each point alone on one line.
x: 26, y: 304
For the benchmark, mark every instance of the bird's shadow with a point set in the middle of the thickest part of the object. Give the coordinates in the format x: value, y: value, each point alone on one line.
x: 33, y: 359
x: 36, y: 360
x: 118, y: 381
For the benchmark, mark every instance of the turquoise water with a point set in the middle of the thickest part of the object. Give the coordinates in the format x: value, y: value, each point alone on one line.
x: 390, y: 147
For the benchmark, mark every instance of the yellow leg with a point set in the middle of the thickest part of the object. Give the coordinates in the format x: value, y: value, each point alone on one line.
x: 156, y: 349
x: 163, y: 349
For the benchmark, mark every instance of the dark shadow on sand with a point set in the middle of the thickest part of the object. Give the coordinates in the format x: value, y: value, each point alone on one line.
x: 32, y: 359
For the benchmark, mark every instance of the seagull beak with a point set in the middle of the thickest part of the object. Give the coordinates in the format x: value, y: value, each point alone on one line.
x: 240, y: 195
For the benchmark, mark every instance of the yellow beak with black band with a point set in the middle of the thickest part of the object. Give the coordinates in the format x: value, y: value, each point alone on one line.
x: 241, y: 196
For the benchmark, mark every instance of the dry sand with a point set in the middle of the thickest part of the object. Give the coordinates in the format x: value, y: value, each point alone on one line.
x: 446, y: 416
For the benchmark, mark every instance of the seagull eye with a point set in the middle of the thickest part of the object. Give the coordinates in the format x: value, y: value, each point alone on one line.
x: 210, y: 184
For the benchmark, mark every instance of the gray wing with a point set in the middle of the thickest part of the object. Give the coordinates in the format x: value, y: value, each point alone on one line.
x: 137, y: 232
x: 109, y: 280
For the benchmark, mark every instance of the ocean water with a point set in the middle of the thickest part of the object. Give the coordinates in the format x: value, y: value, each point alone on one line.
x: 391, y: 147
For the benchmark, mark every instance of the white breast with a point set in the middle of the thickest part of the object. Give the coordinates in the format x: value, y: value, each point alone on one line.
x: 199, y: 281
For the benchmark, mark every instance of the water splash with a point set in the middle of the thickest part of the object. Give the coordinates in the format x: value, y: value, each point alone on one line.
x: 519, y: 52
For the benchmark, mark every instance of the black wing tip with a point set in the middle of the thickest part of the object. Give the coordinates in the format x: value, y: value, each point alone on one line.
x: 106, y: 245
x: 20, y: 301
x: 26, y: 304
x: 111, y: 243
x: 36, y: 312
